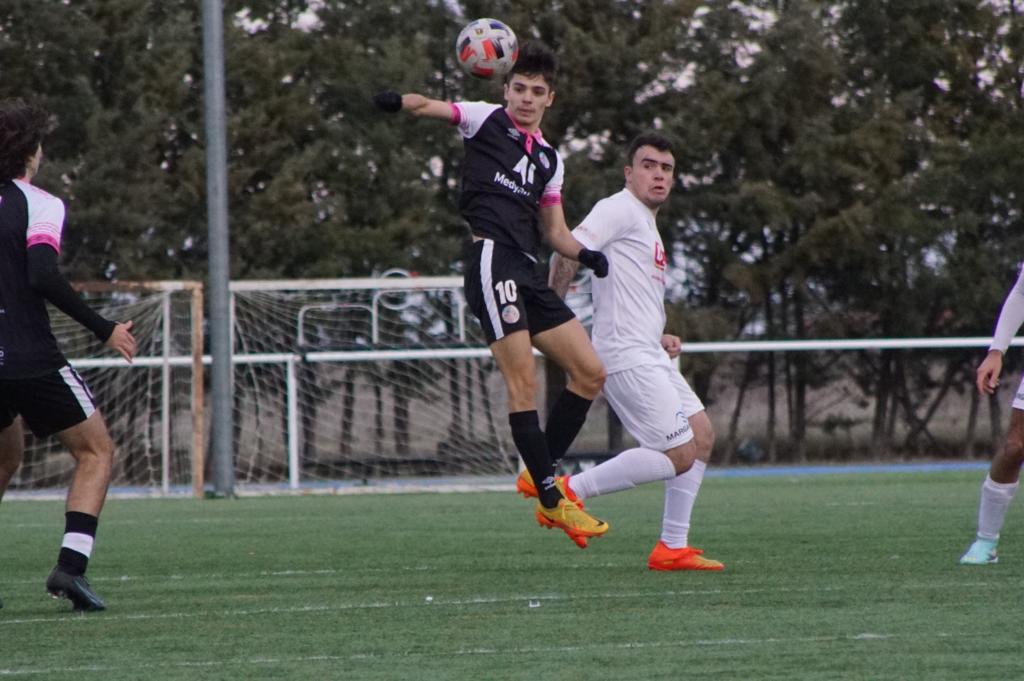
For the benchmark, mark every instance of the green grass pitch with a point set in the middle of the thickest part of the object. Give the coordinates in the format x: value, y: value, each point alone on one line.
x: 827, y: 577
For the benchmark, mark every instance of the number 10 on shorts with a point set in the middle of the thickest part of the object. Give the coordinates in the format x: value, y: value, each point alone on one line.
x: 506, y: 291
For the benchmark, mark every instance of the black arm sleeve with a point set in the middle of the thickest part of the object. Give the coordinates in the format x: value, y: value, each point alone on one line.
x: 47, y: 281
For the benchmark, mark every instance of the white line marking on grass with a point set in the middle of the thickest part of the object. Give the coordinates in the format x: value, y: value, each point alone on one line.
x: 417, y: 601
x: 288, y: 573
x: 176, y: 521
x: 217, y: 577
x: 405, y: 654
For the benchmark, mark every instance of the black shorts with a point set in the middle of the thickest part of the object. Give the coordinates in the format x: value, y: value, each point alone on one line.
x: 49, y: 403
x: 506, y: 292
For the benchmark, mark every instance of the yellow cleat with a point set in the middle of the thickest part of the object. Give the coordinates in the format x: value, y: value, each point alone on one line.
x: 572, y: 520
x: 685, y: 558
x: 525, y: 486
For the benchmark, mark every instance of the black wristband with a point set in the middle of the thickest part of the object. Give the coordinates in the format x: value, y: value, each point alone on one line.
x: 388, y: 100
x: 595, y: 260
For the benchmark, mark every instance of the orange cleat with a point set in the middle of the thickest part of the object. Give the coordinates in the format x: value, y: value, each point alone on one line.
x: 525, y: 486
x: 569, y: 518
x: 686, y: 558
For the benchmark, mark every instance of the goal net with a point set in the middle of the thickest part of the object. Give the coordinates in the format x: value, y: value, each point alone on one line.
x: 149, y: 405
x: 363, y: 379
x: 350, y: 380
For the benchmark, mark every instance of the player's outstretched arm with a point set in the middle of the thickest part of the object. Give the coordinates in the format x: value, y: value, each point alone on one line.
x: 417, y: 105
x: 564, y: 243
x: 47, y: 281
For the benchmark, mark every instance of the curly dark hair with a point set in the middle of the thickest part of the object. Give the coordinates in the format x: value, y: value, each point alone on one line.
x: 535, y: 59
x: 22, y: 128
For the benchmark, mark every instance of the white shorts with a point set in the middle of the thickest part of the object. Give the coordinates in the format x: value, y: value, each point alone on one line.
x: 1018, y: 399
x: 654, y: 403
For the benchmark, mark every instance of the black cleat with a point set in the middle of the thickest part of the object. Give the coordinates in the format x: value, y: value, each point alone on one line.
x: 75, y: 588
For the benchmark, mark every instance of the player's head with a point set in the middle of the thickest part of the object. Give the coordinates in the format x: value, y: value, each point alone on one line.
x: 22, y: 127
x: 530, y: 85
x: 649, y: 169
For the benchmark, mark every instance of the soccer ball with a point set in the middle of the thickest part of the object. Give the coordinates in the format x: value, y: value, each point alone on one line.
x: 486, y: 47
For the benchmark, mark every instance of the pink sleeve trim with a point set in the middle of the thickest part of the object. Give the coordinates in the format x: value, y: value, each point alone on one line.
x: 550, y: 200
x: 44, y: 239
x: 456, y: 116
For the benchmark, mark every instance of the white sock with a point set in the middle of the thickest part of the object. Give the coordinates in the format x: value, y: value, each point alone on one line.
x: 76, y: 541
x: 627, y: 470
x: 995, y: 499
x: 680, y: 495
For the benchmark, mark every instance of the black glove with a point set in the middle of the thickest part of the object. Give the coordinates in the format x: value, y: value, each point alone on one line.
x: 388, y: 100
x: 595, y: 260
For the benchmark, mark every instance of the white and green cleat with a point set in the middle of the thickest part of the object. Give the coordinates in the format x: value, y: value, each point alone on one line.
x: 982, y: 552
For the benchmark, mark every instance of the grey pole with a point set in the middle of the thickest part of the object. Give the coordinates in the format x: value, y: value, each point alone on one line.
x: 217, y: 227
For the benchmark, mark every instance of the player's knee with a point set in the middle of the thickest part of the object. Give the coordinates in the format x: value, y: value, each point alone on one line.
x: 97, y: 453
x: 703, y: 435
x: 682, y: 457
x: 590, y: 381
x: 1013, y: 450
x: 9, y: 463
x: 705, y: 439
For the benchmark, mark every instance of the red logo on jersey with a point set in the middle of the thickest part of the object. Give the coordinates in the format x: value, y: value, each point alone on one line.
x: 660, y: 257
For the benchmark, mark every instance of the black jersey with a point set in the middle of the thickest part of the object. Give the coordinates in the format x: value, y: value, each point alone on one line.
x: 28, y: 216
x: 508, y: 174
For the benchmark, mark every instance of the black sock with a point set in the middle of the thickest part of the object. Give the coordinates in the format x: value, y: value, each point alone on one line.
x: 533, y: 447
x: 69, y: 559
x: 565, y: 419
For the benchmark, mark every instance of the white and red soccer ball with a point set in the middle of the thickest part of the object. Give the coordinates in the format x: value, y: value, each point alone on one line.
x: 486, y: 48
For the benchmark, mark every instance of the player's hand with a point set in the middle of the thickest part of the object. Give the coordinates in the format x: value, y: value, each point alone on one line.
x: 673, y: 345
x: 595, y: 260
x: 988, y: 372
x: 388, y: 100
x: 122, y: 341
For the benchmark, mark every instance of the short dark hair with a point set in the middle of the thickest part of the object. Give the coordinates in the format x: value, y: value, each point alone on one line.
x: 648, y: 139
x: 535, y: 59
x: 22, y: 127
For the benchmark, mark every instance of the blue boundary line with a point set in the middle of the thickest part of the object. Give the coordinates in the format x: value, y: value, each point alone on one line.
x: 766, y: 471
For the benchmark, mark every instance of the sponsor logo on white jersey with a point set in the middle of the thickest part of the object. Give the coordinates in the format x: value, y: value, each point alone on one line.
x: 660, y: 257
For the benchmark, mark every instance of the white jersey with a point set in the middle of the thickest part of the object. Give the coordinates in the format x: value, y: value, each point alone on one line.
x: 629, y: 304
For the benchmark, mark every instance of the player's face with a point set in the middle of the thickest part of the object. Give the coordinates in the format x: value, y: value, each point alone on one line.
x: 650, y: 176
x: 528, y: 97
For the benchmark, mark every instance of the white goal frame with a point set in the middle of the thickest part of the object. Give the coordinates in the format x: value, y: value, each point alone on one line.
x: 384, y: 287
